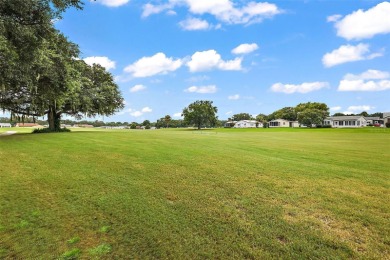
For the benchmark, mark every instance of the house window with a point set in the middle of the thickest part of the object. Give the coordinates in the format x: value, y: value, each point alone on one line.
x: 358, y: 123
x: 341, y: 123
x: 353, y: 123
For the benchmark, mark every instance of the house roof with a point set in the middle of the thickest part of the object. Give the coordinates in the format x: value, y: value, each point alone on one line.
x: 344, y: 117
x: 372, y: 117
x: 282, y: 120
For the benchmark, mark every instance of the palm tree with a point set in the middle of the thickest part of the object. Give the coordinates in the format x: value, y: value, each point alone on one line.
x: 167, y: 119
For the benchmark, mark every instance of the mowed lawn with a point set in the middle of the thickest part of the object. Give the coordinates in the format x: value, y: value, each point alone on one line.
x: 225, y: 193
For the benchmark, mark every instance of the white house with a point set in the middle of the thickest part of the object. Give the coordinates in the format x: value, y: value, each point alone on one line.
x: 247, y: 124
x: 345, y: 121
x: 5, y: 125
x: 386, y: 117
x: 283, y: 123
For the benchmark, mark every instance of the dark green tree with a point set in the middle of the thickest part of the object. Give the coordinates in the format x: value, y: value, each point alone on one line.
x: 167, y: 120
x: 200, y: 113
x: 242, y: 116
x: 311, y: 113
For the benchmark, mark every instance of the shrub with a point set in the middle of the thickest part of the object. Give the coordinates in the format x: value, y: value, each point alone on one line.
x: 323, y: 126
x: 133, y: 126
x: 388, y: 125
x: 48, y: 130
x: 147, y: 127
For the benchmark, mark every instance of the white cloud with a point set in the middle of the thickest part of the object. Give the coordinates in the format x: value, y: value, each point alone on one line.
x: 194, y: 24
x: 245, y: 48
x: 150, y: 9
x: 361, y: 85
x: 139, y: 113
x: 234, y: 97
x: 302, y: 88
x: 365, y: 24
x: 136, y: 113
x: 337, y: 108
x: 334, y: 18
x: 154, y: 65
x: 223, y: 10
x: 146, y: 110
x: 137, y: 88
x: 208, y: 60
x: 369, y: 74
x: 112, y: 3
x: 360, y: 108
x: 229, y: 113
x: 349, y: 53
x: 370, y: 80
x: 101, y: 60
x: 202, y: 89
x: 177, y: 115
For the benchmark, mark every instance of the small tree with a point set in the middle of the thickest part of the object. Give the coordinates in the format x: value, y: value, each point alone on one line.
x: 167, y: 120
x: 242, y: 116
x: 200, y: 113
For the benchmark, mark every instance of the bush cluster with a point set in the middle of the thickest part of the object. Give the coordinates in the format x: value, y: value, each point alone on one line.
x: 323, y: 126
x: 48, y: 130
x: 388, y: 125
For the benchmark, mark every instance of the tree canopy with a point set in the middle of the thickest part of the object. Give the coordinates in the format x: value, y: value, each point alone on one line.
x: 40, y: 73
x: 311, y: 113
x: 241, y: 116
x: 200, y: 113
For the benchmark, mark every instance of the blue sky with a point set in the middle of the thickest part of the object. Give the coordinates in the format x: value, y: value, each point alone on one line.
x: 246, y: 56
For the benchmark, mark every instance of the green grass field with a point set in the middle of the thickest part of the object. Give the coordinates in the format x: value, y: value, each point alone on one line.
x: 226, y: 193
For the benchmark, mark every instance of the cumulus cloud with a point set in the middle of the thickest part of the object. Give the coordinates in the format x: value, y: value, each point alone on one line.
x: 194, y: 24
x: 365, y: 24
x: 101, y: 60
x: 245, y: 48
x: 223, y: 10
x: 369, y: 74
x: 177, y: 115
x: 112, y: 3
x: 138, y: 113
x: 358, y: 109
x: 337, y: 108
x: 370, y: 80
x: 137, y: 88
x: 349, y: 53
x: 234, y: 97
x: 150, y: 9
x: 301, y: 88
x: 154, y: 65
x: 202, y: 89
x: 209, y: 60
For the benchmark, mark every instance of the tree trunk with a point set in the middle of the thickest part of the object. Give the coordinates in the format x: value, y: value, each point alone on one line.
x: 54, y: 119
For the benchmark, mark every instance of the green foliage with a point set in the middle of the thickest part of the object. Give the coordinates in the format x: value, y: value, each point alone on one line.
x: 39, y: 74
x: 387, y: 125
x: 200, y: 113
x: 73, y: 240
x: 242, y: 116
x: 48, y: 130
x: 100, y: 250
x: 311, y: 113
x: 323, y: 126
x: 262, y: 118
x: 71, y: 254
x: 338, y: 114
x: 133, y: 126
x: 104, y: 229
x: 147, y: 127
x: 287, y: 113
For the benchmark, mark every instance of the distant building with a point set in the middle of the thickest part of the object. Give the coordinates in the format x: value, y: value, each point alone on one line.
x: 386, y: 117
x: 247, y: 124
x: 283, y: 123
x: 28, y: 125
x: 345, y: 121
x: 5, y: 125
